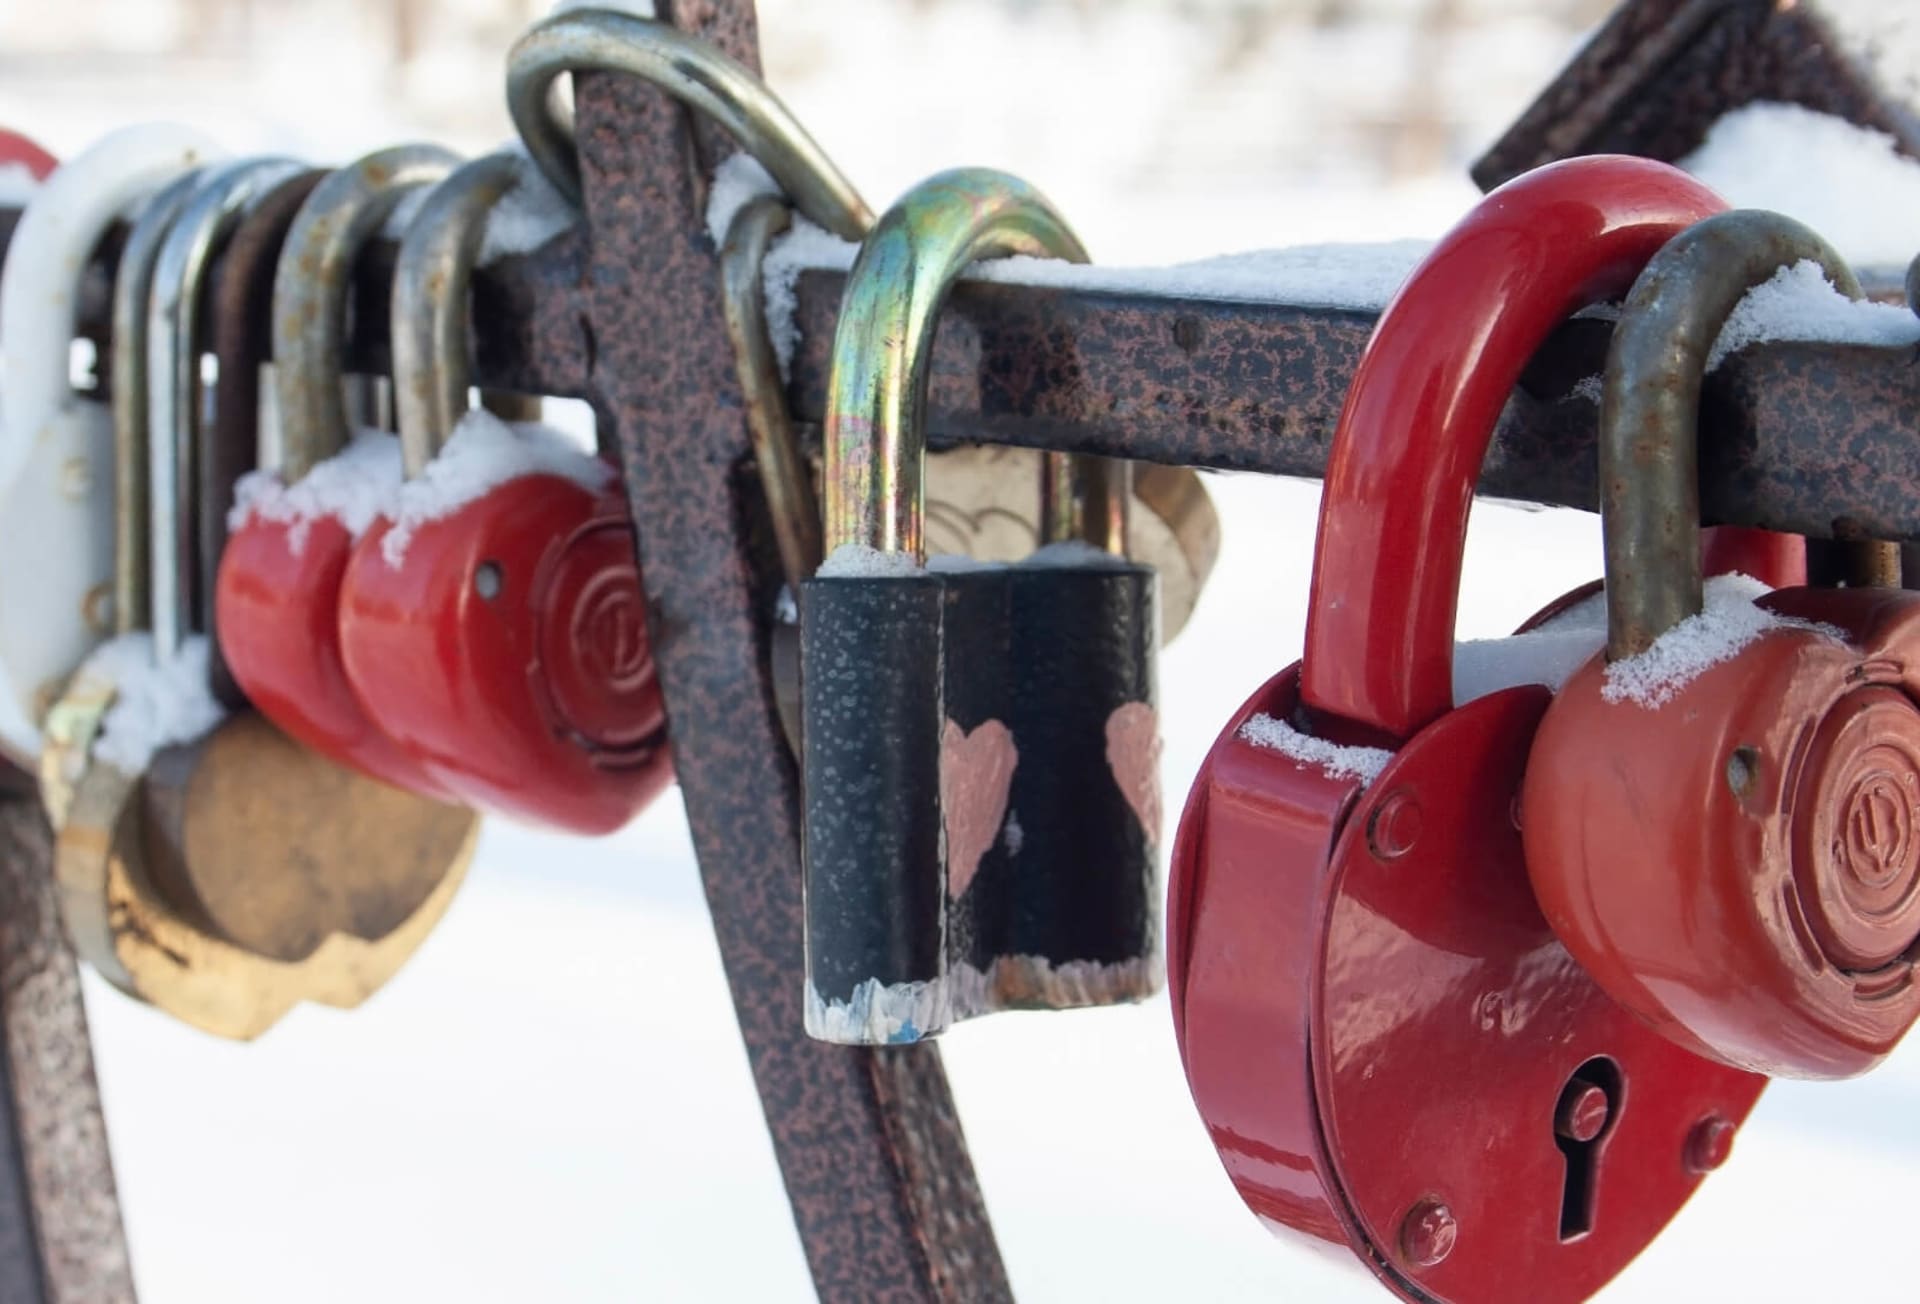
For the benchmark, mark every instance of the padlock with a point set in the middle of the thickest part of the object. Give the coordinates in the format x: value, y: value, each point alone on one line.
x: 56, y: 453
x: 1722, y: 812
x: 924, y: 904
x: 28, y: 157
x: 278, y: 592
x: 1389, y: 1047
x: 494, y: 625
x: 146, y: 697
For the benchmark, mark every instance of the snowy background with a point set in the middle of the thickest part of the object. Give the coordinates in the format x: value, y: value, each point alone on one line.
x: 551, y: 1103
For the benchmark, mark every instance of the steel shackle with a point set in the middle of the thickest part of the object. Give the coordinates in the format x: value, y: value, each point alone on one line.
x: 432, y: 280
x: 874, y: 431
x: 173, y: 387
x: 1649, y: 445
x: 694, y: 73
x: 310, y: 293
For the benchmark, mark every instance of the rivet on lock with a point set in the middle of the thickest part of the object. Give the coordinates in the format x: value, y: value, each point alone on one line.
x: 279, y: 582
x: 499, y: 637
x: 56, y: 456
x: 1388, y: 1045
x: 978, y: 742
x: 122, y: 899
x: 1722, y: 812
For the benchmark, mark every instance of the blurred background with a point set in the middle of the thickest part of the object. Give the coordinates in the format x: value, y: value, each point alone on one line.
x: 552, y: 1102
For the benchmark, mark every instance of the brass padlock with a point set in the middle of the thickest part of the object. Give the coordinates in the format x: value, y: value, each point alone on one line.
x: 130, y: 922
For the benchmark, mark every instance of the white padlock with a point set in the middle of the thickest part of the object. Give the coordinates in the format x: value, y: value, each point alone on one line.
x: 56, y: 448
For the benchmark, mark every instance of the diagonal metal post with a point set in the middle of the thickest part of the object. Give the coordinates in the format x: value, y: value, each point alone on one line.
x: 870, y: 1147
x: 61, y: 1240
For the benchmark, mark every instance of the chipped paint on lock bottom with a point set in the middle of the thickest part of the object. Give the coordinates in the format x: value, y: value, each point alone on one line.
x: 896, y: 1013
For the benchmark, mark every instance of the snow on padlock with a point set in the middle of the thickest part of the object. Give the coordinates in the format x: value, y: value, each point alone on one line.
x: 979, y: 743
x: 1720, y: 810
x: 56, y: 450
x: 1389, y: 1047
x: 494, y: 623
x: 277, y: 598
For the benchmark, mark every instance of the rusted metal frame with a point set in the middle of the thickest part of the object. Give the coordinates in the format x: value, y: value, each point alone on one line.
x: 1659, y: 73
x: 869, y: 1143
x: 1816, y: 439
x: 61, y: 1238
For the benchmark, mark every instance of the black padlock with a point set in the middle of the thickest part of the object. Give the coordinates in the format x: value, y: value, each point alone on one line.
x: 968, y: 844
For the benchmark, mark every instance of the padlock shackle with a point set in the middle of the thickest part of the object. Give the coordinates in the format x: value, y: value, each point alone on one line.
x: 174, y: 348
x: 693, y: 72
x: 875, y: 426
x: 1085, y: 499
x: 58, y: 231
x: 310, y: 289
x: 132, y: 287
x: 1421, y: 413
x: 784, y: 476
x: 1650, y: 409
x: 428, y: 319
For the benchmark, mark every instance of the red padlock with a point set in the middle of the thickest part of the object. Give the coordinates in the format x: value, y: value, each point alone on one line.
x: 21, y: 151
x: 1389, y: 1047
x: 278, y: 591
x: 496, y: 627
x: 1722, y: 813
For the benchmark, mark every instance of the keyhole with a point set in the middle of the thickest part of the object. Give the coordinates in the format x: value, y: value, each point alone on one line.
x: 1582, y: 1120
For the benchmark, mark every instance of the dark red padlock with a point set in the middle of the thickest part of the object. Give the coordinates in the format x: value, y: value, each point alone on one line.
x: 22, y: 151
x: 1388, y: 1045
x: 502, y: 642
x: 1722, y: 812
x: 278, y: 590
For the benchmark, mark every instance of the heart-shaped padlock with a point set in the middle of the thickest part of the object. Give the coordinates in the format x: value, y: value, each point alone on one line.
x: 277, y: 603
x: 1388, y: 1045
x: 1722, y: 813
x: 495, y: 625
x: 56, y: 451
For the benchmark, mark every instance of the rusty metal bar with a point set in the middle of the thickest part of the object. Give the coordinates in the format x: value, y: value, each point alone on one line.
x: 1815, y: 439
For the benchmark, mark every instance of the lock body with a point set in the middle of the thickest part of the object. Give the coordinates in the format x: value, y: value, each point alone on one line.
x: 1082, y: 694
x: 276, y: 606
x: 981, y: 758
x: 1740, y: 863
x: 507, y: 654
x: 1380, y: 1028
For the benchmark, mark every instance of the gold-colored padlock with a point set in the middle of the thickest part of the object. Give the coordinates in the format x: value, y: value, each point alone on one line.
x: 273, y: 815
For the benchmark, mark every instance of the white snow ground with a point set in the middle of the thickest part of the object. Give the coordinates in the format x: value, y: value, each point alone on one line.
x: 551, y: 1102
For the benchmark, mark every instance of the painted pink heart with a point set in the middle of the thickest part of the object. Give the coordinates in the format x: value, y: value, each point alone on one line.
x: 1133, y: 754
x: 976, y: 772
